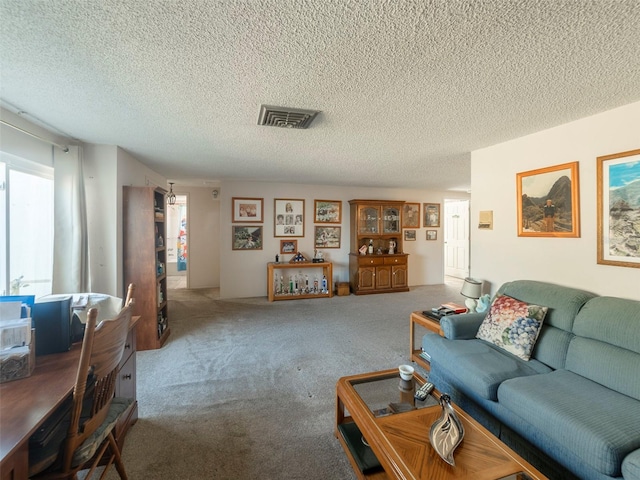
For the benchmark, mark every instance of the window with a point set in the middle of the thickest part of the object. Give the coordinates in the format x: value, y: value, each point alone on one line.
x: 26, y: 220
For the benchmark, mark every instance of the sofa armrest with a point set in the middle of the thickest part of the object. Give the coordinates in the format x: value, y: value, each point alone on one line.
x: 461, y: 327
x: 631, y: 466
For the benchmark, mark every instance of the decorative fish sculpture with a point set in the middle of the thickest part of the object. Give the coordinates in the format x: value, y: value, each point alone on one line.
x: 447, y: 432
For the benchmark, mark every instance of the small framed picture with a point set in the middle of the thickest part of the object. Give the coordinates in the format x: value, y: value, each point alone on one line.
x: 327, y: 237
x: 288, y: 246
x: 247, y: 237
x: 410, y: 235
x: 432, y: 234
x: 328, y: 211
x: 411, y: 215
x: 288, y: 217
x: 248, y: 210
x: 431, y: 215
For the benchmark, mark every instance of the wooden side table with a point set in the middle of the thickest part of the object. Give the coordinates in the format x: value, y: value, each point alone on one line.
x: 423, y: 322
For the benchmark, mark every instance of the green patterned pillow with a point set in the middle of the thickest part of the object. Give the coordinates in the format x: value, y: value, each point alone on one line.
x: 513, y: 325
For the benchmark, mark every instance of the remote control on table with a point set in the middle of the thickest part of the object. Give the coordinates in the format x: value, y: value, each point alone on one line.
x: 423, y: 392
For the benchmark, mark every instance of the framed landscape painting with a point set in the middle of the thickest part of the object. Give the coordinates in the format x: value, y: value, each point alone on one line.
x: 328, y: 211
x: 246, y: 238
x: 618, y: 187
x: 548, y: 203
x: 288, y: 217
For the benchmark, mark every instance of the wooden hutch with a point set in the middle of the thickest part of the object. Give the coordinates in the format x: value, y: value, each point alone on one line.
x: 377, y: 224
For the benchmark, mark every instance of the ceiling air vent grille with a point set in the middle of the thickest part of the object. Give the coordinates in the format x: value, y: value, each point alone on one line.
x: 286, y: 117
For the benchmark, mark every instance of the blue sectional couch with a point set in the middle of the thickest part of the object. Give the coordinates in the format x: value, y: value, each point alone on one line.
x: 573, y: 409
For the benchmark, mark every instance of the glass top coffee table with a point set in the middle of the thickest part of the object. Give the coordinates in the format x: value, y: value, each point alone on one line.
x: 385, y: 433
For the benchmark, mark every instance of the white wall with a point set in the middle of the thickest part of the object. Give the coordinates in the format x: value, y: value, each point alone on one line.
x: 203, y: 240
x: 106, y: 169
x: 244, y: 273
x: 499, y: 255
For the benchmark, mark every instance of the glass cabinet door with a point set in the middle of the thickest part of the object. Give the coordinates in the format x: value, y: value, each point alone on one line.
x: 391, y: 220
x: 368, y: 220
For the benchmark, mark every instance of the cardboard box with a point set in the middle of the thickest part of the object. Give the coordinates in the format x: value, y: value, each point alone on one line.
x: 342, y: 289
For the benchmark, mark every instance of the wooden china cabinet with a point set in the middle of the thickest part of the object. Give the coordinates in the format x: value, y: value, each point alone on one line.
x: 376, y: 225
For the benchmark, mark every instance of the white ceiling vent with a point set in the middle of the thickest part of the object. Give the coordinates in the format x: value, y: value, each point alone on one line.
x: 286, y: 117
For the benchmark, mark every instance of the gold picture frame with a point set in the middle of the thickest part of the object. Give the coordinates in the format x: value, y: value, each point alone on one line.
x: 288, y: 217
x: 327, y: 237
x: 328, y: 211
x: 548, y: 203
x: 246, y: 237
x: 247, y: 210
x: 618, y: 208
x: 411, y: 215
x: 288, y: 246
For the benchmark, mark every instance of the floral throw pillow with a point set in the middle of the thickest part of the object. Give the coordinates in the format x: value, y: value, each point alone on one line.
x: 513, y: 325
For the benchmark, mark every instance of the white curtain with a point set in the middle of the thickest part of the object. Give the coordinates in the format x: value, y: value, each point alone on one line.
x: 70, y: 244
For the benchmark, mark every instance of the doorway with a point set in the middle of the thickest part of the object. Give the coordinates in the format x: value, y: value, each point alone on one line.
x: 456, y: 238
x: 177, y: 244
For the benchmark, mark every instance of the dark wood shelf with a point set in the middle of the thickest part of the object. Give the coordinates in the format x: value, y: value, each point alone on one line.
x: 141, y: 256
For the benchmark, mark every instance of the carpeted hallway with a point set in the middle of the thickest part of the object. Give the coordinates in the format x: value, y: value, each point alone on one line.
x: 245, y: 388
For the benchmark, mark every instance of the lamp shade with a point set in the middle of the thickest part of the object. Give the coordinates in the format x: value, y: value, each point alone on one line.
x: 471, y: 288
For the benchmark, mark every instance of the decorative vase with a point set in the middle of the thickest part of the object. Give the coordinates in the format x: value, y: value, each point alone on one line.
x: 447, y: 432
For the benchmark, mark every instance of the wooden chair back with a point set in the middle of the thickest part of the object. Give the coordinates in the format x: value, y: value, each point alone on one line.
x: 102, y: 350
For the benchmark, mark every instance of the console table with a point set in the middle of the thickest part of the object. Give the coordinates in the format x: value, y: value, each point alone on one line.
x: 26, y: 403
x: 272, y: 267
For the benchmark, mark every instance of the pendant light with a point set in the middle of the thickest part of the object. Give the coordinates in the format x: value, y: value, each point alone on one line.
x: 171, y: 197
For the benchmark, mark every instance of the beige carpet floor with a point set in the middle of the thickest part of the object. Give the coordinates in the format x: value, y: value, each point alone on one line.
x: 245, y: 389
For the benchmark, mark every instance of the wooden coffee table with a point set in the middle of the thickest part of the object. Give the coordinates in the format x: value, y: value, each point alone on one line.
x: 400, y: 441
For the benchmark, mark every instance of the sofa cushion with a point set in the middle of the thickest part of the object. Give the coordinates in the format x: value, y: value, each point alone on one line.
x: 564, y: 304
x: 601, y: 425
x: 606, y: 348
x: 512, y: 325
x: 477, y: 365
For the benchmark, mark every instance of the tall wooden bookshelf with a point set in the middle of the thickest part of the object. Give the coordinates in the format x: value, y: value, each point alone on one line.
x: 145, y: 258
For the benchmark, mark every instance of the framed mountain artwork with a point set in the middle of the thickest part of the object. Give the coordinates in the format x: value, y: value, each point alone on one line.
x: 619, y: 209
x: 548, y: 203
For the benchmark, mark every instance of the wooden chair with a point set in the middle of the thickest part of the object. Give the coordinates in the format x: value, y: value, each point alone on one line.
x: 94, y: 412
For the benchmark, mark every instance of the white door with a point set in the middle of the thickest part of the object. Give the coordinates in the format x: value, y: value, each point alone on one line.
x: 456, y: 238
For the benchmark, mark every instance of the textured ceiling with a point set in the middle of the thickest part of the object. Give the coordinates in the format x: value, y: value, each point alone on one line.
x: 406, y: 88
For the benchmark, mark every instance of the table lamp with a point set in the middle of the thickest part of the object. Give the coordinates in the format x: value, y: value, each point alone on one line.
x: 472, y: 289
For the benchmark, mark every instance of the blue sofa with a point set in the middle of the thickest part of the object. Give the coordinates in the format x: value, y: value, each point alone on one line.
x: 573, y: 409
